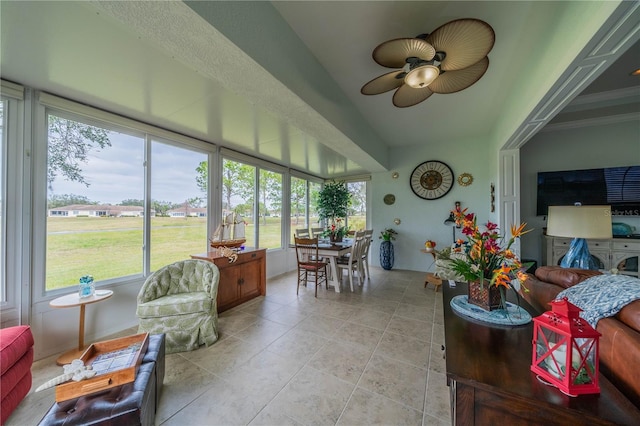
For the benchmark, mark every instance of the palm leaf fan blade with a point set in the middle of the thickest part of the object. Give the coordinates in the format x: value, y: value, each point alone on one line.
x: 394, y: 53
x: 454, y: 81
x: 382, y: 84
x: 407, y: 96
x: 465, y: 42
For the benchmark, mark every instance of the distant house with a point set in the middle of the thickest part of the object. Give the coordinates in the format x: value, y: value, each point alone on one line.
x: 188, y: 212
x: 98, y: 210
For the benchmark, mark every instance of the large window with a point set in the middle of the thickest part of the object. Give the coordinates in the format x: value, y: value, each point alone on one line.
x: 270, y: 229
x: 95, y: 180
x: 357, y: 215
x: 97, y: 210
x: 238, y: 199
x: 178, y: 203
x: 303, y: 204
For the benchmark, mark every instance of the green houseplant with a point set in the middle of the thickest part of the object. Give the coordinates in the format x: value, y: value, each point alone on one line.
x: 332, y: 205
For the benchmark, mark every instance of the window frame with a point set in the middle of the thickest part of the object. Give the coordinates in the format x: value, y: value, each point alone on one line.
x: 258, y: 164
x: 13, y: 305
x: 49, y: 104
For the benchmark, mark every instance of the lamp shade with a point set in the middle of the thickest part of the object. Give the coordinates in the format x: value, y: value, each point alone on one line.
x: 580, y: 221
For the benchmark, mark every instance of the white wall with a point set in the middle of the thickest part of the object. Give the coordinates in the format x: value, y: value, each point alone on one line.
x: 595, y: 146
x: 423, y: 219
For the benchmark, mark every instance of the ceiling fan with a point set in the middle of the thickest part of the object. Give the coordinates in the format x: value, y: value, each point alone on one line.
x: 450, y: 59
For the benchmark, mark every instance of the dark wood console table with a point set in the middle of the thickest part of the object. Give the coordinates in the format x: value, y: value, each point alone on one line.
x: 490, y: 381
x: 241, y: 280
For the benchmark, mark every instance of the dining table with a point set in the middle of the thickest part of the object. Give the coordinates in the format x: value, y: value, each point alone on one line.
x: 333, y: 251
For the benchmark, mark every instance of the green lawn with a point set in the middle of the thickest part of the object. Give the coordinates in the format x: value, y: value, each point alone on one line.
x: 112, y: 247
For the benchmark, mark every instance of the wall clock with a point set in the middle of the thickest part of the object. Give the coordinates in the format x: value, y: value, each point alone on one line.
x: 431, y: 180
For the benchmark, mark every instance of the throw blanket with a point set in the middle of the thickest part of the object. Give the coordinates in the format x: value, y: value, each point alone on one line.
x: 602, y: 296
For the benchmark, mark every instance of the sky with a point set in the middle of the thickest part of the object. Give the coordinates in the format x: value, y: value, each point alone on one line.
x: 116, y: 173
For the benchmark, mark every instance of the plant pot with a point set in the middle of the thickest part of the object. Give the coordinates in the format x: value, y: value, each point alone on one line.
x: 487, y: 297
x: 386, y: 255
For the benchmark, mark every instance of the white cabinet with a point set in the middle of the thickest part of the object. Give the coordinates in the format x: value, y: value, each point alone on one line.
x: 625, y: 256
x: 607, y: 254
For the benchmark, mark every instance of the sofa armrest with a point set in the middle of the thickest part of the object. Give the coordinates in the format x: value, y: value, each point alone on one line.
x: 540, y: 293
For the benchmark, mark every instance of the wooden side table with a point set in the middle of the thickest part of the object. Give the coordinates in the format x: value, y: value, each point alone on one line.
x: 69, y: 301
x: 431, y: 278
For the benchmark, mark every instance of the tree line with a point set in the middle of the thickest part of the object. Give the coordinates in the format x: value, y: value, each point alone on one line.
x: 161, y: 207
x: 69, y: 143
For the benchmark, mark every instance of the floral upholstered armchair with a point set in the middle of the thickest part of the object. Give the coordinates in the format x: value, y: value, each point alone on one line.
x: 179, y: 300
x: 443, y: 265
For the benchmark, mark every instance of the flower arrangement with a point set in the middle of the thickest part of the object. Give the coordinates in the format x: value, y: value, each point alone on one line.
x: 336, y: 230
x: 482, y: 258
x: 388, y: 234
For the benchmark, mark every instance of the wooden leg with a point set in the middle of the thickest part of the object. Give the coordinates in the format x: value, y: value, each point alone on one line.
x: 69, y: 356
x: 81, y: 329
x: 432, y: 279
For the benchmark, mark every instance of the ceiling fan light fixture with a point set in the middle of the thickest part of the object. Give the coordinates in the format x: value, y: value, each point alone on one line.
x: 421, y: 77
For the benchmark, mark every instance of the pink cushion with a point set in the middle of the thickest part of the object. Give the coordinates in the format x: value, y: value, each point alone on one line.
x: 14, y: 343
x: 17, y: 394
x: 16, y: 357
x: 17, y: 373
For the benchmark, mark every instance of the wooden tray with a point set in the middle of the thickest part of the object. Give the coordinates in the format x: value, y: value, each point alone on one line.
x: 115, y: 361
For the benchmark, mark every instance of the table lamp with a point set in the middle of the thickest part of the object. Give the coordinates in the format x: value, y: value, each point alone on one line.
x: 450, y: 221
x: 579, y: 222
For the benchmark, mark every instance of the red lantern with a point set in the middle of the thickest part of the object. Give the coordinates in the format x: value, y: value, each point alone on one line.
x: 560, y: 339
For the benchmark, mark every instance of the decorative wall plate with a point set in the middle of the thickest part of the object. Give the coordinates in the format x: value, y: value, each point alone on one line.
x: 431, y: 180
x: 465, y: 179
x: 389, y: 199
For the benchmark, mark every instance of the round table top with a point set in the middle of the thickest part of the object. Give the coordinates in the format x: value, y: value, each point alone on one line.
x: 74, y: 299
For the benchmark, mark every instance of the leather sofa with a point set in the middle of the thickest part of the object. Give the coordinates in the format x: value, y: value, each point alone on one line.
x: 16, y: 358
x: 620, y: 340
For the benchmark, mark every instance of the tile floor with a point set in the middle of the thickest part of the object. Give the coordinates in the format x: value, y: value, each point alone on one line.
x: 372, y: 357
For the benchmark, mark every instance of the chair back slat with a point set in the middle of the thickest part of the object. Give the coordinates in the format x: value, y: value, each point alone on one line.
x: 306, y: 249
x: 368, y: 235
x: 302, y: 233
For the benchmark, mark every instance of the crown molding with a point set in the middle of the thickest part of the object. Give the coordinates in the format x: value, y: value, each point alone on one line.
x: 612, y: 97
x: 598, y: 121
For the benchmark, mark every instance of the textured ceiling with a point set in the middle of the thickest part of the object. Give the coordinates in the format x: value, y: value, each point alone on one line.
x: 282, y: 80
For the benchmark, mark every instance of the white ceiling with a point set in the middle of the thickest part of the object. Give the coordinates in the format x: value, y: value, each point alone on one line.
x: 282, y: 80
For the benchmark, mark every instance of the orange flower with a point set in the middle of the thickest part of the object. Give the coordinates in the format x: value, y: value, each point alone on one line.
x: 519, y: 231
x: 502, y: 276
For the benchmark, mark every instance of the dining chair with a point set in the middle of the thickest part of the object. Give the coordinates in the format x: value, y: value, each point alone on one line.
x: 368, y: 236
x: 316, y: 232
x: 353, y: 262
x: 310, y: 263
x: 302, y: 233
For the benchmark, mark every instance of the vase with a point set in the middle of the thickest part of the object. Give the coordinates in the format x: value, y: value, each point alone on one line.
x: 335, y: 238
x: 386, y: 255
x: 487, y: 297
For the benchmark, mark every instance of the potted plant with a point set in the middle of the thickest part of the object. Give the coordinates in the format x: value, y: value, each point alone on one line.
x: 332, y: 204
x: 386, y: 248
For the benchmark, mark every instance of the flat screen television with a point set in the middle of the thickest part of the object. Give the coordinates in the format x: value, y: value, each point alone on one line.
x: 618, y: 187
